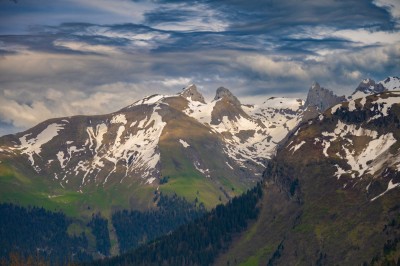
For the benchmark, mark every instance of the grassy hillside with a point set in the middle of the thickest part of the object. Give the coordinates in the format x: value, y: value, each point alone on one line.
x: 310, y: 214
x: 198, y: 170
x: 319, y: 228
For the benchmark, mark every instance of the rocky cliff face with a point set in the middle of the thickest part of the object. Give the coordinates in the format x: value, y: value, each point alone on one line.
x: 223, y: 93
x: 332, y: 192
x: 321, y: 98
x: 191, y: 92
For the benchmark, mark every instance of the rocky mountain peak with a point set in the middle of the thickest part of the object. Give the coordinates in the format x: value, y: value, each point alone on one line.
x: 369, y: 86
x: 391, y: 83
x: 225, y: 93
x: 191, y: 92
x: 315, y: 86
x: 321, y: 98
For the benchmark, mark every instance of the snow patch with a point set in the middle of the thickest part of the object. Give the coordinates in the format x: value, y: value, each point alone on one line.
x: 335, y: 108
x: 133, y: 124
x: 150, y: 180
x: 229, y: 165
x: 31, y: 146
x: 149, y: 100
x: 326, y: 145
x: 391, y: 83
x: 184, y: 143
x: 352, y: 105
x: 96, y: 136
x: 205, y: 172
x: 296, y: 147
x: 200, y: 111
x: 339, y: 171
x: 119, y: 119
x: 359, y: 162
x: 61, y: 159
x: 391, y: 186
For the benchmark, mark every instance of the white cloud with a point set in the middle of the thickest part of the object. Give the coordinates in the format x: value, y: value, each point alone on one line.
x: 392, y: 6
x: 353, y: 75
x: 50, y: 103
x: 125, y: 10
x: 145, y: 39
x: 85, y: 47
x: 358, y: 36
x: 272, y: 68
x: 366, y: 37
x: 202, y: 18
x: 176, y: 82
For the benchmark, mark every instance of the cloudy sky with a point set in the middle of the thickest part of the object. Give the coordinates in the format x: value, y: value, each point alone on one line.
x: 67, y: 57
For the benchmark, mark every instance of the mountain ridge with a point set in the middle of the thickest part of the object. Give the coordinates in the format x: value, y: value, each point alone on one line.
x: 331, y: 192
x: 209, y: 152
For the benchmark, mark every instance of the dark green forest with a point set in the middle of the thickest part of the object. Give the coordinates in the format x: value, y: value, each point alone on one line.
x: 43, y: 234
x: 36, y: 233
x: 199, y: 242
x: 145, y: 238
x: 134, y: 227
x: 99, y: 228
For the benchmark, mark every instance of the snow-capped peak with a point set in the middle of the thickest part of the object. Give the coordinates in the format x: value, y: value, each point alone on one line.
x: 367, y: 81
x: 391, y: 83
x: 368, y: 87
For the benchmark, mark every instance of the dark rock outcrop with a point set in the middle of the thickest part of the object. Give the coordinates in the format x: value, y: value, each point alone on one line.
x: 191, y: 92
x: 225, y: 93
x: 322, y: 98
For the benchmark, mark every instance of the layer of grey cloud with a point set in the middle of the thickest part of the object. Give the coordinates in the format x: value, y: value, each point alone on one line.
x: 70, y: 57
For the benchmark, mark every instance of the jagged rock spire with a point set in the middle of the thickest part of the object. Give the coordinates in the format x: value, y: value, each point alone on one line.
x: 225, y: 93
x: 321, y: 98
x: 190, y: 92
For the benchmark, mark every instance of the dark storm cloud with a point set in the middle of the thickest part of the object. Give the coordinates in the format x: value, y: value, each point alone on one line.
x: 67, y: 57
x: 258, y: 16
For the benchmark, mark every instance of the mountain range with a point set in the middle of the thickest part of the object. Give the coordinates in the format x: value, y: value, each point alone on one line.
x: 211, y: 151
x: 331, y: 192
x: 332, y: 166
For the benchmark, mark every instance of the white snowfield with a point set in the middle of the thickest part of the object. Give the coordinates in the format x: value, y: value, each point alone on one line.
x: 266, y: 125
x: 200, y: 111
x: 133, y: 147
x: 372, y: 155
x: 383, y: 104
x: 359, y: 161
x: 33, y: 145
x: 129, y: 146
x: 148, y: 100
x: 391, y: 83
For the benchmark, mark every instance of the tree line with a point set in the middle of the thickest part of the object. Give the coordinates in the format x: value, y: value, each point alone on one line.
x: 198, y: 242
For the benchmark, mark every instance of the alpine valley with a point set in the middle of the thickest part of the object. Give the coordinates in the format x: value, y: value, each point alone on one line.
x: 312, y: 182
